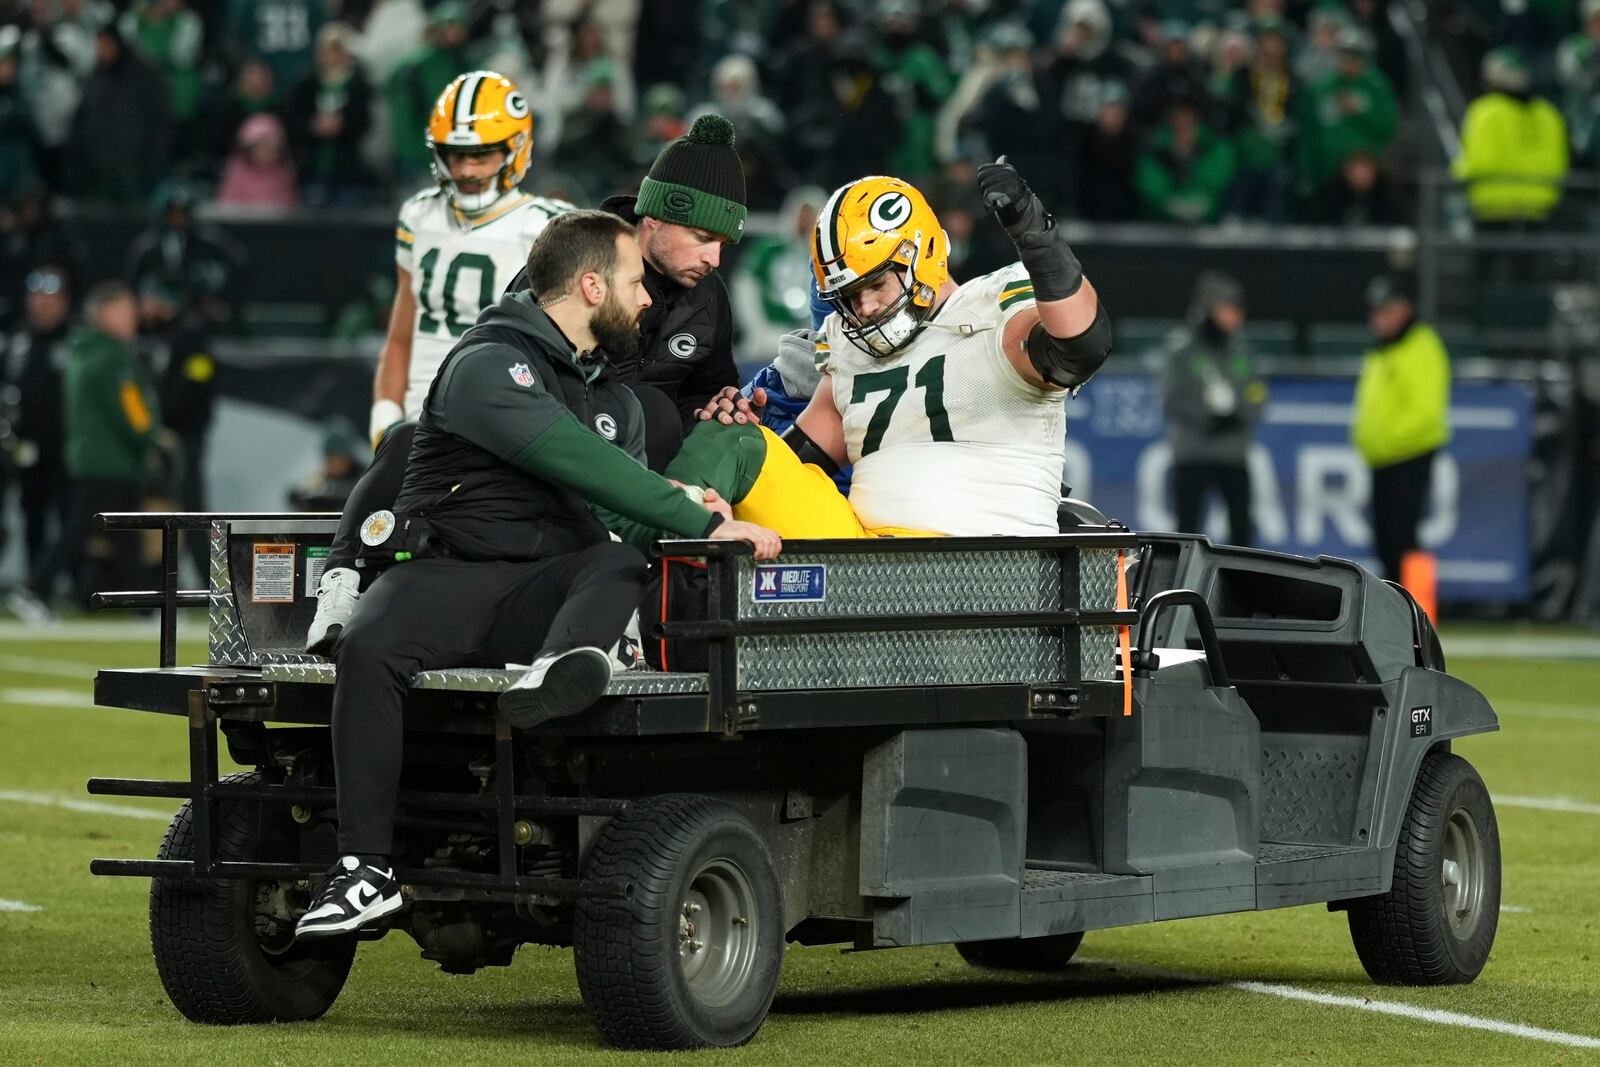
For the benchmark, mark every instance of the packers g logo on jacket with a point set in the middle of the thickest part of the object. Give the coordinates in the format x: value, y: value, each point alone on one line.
x: 870, y: 227
x: 477, y: 112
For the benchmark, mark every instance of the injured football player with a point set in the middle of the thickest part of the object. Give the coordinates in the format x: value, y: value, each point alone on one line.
x: 948, y: 400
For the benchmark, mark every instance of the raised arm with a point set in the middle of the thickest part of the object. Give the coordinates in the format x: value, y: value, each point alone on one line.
x: 1068, y: 335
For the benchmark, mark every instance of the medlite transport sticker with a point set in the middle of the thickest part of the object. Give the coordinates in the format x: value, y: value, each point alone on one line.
x: 791, y: 582
x: 1422, y: 721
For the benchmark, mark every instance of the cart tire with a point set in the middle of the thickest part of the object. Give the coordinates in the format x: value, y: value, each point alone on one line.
x: 1041, y: 954
x: 691, y: 957
x: 1436, y: 924
x: 220, y: 961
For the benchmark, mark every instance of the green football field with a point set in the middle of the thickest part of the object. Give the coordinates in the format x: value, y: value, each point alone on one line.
x: 77, y: 983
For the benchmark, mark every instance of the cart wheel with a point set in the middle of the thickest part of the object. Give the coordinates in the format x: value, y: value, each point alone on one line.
x: 225, y: 949
x: 1436, y: 924
x: 691, y: 957
x: 1050, y: 953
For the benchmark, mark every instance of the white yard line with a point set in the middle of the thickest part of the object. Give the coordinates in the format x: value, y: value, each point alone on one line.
x: 1522, y: 647
x: 46, y: 698
x: 1515, y: 909
x: 92, y: 807
x: 17, y: 905
x: 83, y: 670
x: 1566, y: 804
x: 1563, y: 712
x: 85, y: 631
x: 1381, y: 1007
x: 1427, y: 1015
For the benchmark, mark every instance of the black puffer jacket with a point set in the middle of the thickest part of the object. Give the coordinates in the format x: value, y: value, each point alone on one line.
x: 686, y: 342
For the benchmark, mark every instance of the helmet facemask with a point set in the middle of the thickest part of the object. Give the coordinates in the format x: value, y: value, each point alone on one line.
x: 495, y: 186
x: 897, y: 323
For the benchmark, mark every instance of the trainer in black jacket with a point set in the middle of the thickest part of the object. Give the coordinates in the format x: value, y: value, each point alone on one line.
x: 516, y: 473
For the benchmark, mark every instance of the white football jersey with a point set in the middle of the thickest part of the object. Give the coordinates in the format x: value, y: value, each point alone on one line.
x: 459, y: 266
x: 945, y: 435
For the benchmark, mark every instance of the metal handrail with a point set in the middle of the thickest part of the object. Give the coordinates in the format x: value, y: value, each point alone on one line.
x: 170, y: 598
x: 1174, y: 598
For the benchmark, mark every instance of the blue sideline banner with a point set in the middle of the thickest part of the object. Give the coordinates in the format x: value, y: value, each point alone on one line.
x: 1311, y: 490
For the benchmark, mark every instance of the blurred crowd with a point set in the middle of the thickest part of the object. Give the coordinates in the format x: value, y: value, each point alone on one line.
x: 1177, y: 110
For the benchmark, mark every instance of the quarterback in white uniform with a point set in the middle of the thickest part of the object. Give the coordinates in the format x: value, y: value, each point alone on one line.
x: 458, y: 245
x: 947, y: 399
x: 457, y: 248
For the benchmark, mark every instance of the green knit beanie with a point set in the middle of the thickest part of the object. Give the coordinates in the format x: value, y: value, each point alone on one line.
x: 697, y: 180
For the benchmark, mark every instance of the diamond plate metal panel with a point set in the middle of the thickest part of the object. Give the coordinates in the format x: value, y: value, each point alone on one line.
x: 900, y: 658
x: 492, y: 680
x: 1098, y: 652
x: 1274, y: 853
x: 228, y: 646
x: 322, y: 673
x: 1097, y: 579
x: 1033, y: 878
x: 890, y: 584
x: 898, y: 583
x: 1310, y: 787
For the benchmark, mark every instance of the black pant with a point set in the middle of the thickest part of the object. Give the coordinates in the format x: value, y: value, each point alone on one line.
x: 96, y: 562
x: 1399, y: 495
x: 1191, y: 482
x: 374, y: 491
x: 430, y: 614
x: 46, y: 500
x: 192, y: 497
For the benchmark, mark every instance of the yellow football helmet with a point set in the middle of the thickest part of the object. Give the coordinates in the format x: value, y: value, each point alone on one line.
x: 481, y: 111
x: 868, y: 228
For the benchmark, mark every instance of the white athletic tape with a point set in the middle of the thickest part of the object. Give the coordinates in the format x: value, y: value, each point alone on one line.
x: 1566, y: 804
x: 1382, y: 1007
x: 17, y: 905
x: 91, y: 807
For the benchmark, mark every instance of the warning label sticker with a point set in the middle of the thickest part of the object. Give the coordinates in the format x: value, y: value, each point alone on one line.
x: 272, y: 574
x: 316, y: 563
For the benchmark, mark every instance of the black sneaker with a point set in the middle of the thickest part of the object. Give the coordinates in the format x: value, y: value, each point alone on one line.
x: 557, y: 685
x: 354, y: 895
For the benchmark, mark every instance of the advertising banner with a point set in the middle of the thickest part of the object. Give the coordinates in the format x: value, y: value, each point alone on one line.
x: 1311, y: 490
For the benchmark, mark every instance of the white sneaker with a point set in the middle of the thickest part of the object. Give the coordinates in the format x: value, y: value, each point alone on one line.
x: 337, y: 594
x: 33, y: 612
x: 352, y: 895
x: 629, y: 652
x: 556, y: 686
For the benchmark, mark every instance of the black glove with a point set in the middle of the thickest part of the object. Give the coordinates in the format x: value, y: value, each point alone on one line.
x: 1044, y: 252
x: 1005, y: 193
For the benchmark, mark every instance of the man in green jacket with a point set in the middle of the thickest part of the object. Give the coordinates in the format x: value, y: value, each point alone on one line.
x: 1401, y: 417
x: 1350, y: 110
x: 1185, y: 173
x: 111, y: 426
x: 416, y: 83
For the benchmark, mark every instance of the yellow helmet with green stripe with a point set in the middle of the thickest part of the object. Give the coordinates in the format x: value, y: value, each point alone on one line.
x: 871, y: 227
x: 481, y: 111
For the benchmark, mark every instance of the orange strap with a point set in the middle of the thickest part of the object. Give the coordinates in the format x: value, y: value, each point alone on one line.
x: 1123, y: 635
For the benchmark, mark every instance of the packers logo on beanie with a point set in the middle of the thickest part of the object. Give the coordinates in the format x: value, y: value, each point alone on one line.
x: 697, y: 180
